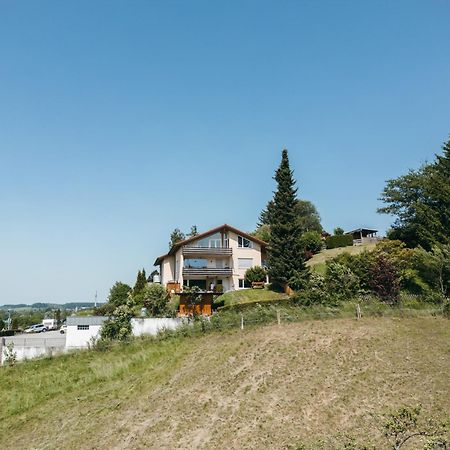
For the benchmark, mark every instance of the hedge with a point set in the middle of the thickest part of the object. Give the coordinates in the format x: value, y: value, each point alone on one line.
x: 6, y: 333
x: 339, y: 241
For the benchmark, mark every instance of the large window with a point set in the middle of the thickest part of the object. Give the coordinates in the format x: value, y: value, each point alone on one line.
x: 191, y: 263
x: 245, y: 263
x: 216, y: 240
x: 244, y: 242
x: 82, y: 327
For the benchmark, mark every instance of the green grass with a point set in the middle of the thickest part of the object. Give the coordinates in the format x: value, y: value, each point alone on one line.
x: 264, y: 387
x: 317, y: 262
x: 249, y: 296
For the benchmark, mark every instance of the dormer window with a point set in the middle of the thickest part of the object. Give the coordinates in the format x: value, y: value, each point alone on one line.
x: 244, y: 242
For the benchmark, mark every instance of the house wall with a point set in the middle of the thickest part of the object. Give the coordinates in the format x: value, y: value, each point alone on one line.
x: 167, y: 270
x: 81, y: 338
x: 239, y: 252
x: 179, y: 263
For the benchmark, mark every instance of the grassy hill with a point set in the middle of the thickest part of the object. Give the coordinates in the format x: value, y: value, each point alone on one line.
x: 317, y: 262
x: 250, y: 296
x: 267, y: 387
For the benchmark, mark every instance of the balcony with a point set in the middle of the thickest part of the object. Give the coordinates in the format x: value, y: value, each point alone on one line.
x: 196, y: 252
x: 206, y: 272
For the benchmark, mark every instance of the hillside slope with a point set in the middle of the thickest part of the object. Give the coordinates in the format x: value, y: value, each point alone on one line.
x: 317, y: 262
x: 268, y: 387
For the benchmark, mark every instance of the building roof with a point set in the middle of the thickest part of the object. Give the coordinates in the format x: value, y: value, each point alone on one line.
x: 225, y: 226
x: 368, y: 230
x: 85, y: 320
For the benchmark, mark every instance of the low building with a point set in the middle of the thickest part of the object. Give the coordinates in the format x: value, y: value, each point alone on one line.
x: 364, y: 236
x: 82, y: 330
x: 215, y: 260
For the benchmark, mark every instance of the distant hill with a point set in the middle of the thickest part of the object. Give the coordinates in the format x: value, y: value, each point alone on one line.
x: 39, y: 306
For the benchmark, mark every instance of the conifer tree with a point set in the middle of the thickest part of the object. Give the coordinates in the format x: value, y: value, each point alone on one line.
x: 285, y: 255
x: 140, y: 284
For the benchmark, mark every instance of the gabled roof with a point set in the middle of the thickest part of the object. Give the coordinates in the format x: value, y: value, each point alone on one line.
x: 225, y: 226
x: 369, y: 230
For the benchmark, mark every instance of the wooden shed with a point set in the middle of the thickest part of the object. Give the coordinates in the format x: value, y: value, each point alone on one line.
x: 192, y: 306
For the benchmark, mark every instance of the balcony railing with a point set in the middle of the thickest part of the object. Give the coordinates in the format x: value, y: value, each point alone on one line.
x: 207, y: 251
x: 207, y: 271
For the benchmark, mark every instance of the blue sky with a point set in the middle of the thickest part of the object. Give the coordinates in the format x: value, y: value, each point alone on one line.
x: 120, y: 121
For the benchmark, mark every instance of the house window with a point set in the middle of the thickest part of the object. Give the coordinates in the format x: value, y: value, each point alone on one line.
x: 82, y: 327
x: 191, y: 263
x: 244, y: 242
x: 245, y: 263
x: 243, y: 284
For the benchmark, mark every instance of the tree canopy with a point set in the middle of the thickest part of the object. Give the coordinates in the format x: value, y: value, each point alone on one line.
x: 118, y: 294
x: 420, y: 200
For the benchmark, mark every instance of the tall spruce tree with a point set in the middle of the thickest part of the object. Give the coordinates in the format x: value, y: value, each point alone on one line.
x: 285, y: 255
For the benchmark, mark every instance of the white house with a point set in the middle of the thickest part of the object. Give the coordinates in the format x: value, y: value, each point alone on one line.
x: 217, y: 257
x: 82, y: 329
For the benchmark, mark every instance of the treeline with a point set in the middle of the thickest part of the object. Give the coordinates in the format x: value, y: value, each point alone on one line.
x: 415, y: 259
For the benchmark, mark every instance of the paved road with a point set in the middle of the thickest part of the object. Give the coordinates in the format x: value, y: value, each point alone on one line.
x: 47, y: 339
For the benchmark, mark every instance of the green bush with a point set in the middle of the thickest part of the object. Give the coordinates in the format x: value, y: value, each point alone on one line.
x: 255, y: 274
x: 118, y: 327
x: 311, y: 241
x: 446, y: 308
x: 155, y: 300
x: 340, y: 281
x: 339, y: 241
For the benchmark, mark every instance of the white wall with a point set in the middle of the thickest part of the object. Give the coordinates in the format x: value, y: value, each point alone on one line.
x: 81, y: 338
x: 28, y: 348
x: 239, y: 252
x: 153, y: 325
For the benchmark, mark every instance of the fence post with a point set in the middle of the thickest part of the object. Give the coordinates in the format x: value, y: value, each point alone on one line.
x: 358, y: 312
x: 278, y: 317
x: 242, y: 321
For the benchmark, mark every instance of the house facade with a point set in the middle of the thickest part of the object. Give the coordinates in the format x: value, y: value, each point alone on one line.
x: 215, y: 260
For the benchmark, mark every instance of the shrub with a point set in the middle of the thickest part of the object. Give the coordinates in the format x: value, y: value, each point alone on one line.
x: 385, y: 280
x: 340, y: 281
x: 311, y: 241
x: 9, y: 354
x: 155, y: 299
x: 255, y: 274
x: 315, y: 292
x: 339, y: 241
x: 446, y: 308
x: 119, y: 326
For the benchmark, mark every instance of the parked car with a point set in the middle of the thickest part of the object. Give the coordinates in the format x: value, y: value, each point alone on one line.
x: 38, y: 328
x: 63, y: 329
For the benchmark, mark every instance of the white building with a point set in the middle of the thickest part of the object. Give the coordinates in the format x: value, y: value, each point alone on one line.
x: 219, y: 256
x: 81, y: 330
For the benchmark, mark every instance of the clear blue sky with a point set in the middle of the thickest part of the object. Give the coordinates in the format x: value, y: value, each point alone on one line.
x: 120, y: 120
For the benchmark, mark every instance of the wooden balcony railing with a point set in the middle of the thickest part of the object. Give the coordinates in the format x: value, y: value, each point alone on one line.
x: 207, y: 251
x: 207, y: 272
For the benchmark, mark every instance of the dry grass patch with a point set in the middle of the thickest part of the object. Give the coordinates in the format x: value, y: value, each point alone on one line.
x: 268, y: 387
